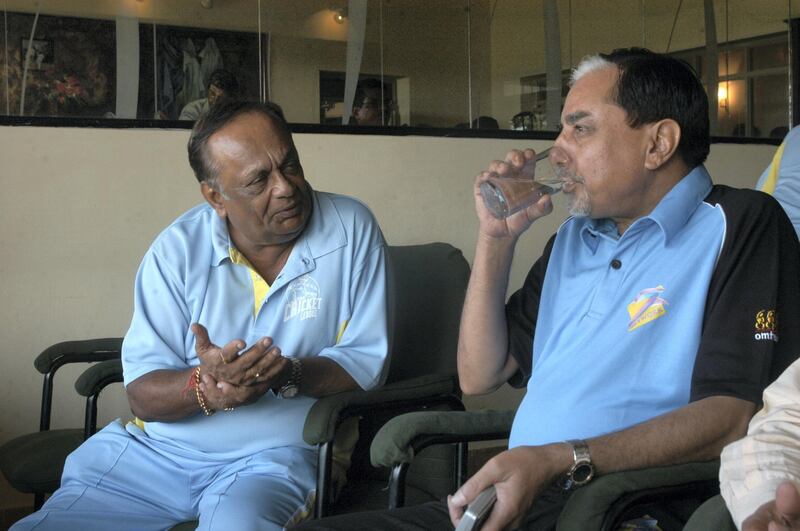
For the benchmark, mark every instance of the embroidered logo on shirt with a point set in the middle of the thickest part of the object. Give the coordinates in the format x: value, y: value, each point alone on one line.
x: 302, y: 299
x: 767, y: 325
x: 646, y: 307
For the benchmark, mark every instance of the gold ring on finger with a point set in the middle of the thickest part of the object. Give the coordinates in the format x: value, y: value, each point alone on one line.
x: 222, y: 357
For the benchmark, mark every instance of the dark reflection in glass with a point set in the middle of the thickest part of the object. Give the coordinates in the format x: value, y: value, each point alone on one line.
x: 770, y: 56
x: 374, y: 103
x: 186, y: 59
x: 465, y: 64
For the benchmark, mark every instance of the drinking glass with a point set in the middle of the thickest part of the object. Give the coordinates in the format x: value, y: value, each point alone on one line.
x: 507, y: 195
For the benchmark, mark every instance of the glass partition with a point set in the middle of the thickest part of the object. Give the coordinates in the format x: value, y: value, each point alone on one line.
x: 383, y: 64
x: 196, y: 53
x: 57, y: 64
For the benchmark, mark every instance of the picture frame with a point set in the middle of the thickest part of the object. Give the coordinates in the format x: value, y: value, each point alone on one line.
x: 42, y: 53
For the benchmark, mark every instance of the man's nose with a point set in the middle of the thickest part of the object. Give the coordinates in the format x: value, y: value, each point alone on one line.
x: 558, y: 156
x: 281, y: 185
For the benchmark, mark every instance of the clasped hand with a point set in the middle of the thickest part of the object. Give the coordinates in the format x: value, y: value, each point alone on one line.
x: 231, y: 379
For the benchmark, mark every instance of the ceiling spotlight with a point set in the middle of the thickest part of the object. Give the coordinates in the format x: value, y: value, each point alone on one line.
x: 339, y: 15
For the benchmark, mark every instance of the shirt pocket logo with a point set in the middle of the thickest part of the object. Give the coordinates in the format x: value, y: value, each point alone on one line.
x: 303, y: 299
x: 648, y: 306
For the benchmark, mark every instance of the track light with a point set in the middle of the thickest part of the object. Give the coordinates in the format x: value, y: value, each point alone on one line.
x: 340, y: 15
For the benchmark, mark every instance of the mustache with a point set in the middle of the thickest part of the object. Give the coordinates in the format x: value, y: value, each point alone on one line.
x: 565, y: 174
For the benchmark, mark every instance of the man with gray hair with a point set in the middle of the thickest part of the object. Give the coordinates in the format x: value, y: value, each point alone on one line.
x: 647, y: 330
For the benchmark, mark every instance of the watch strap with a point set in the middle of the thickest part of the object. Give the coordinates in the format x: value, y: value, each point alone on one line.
x: 580, y: 450
x: 582, y: 470
x: 292, y: 386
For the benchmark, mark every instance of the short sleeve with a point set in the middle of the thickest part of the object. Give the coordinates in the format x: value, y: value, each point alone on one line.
x: 749, y: 333
x: 161, y: 318
x: 363, y: 346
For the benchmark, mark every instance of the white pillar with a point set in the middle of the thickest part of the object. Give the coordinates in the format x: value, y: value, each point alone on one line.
x: 356, y: 27
x: 127, y: 29
x: 552, y: 47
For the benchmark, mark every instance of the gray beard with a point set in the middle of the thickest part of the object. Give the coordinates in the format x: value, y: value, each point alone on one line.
x: 578, y: 207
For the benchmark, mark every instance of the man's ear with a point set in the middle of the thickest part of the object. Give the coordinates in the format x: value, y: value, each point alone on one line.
x: 214, y: 198
x: 665, y: 135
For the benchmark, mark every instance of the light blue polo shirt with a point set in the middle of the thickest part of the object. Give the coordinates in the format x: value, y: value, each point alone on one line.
x: 786, y: 188
x: 329, y: 300
x: 620, y: 318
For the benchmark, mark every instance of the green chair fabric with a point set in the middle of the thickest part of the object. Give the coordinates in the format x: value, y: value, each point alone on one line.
x: 712, y: 515
x: 427, y: 284
x: 611, y: 499
x: 33, y: 463
x: 324, y: 416
x: 402, y: 437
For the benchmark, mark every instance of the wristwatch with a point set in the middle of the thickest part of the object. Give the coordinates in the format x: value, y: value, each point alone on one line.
x: 292, y: 387
x: 582, y: 470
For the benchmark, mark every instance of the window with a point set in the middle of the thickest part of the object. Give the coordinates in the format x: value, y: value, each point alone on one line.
x: 444, y: 64
x: 752, y: 93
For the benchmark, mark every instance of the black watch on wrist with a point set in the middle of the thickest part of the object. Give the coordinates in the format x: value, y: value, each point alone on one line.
x: 292, y: 386
x: 582, y: 470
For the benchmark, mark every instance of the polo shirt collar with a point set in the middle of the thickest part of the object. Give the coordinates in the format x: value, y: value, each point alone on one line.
x: 220, y: 239
x: 325, y: 230
x: 323, y: 234
x: 675, y: 208
x: 669, y: 215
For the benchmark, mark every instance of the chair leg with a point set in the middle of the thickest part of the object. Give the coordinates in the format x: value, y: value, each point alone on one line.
x: 462, y: 455
x: 324, y: 463
x: 38, y: 501
x: 397, y: 486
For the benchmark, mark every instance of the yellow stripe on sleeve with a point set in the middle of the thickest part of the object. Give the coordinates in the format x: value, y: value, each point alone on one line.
x: 341, y: 331
x: 772, y: 177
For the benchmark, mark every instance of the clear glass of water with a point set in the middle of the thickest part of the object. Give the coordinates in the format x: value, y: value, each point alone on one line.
x: 507, y: 195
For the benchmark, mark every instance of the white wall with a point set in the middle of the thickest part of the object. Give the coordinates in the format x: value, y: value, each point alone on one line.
x: 80, y: 206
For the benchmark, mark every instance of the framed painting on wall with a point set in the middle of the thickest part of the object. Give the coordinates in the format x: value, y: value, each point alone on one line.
x: 71, y: 69
x: 39, y: 54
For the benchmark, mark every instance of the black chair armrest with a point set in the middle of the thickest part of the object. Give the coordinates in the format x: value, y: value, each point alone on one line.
x: 98, y: 376
x: 77, y: 351
x: 602, y: 502
x: 405, y: 435
x: 328, y: 412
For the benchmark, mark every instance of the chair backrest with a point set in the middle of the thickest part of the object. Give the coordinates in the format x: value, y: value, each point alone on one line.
x: 34, y: 462
x: 427, y: 284
x: 80, y: 351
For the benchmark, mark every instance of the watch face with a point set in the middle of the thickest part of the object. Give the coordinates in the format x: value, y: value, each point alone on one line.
x: 289, y: 391
x: 582, y: 473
